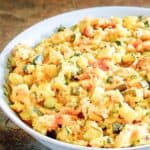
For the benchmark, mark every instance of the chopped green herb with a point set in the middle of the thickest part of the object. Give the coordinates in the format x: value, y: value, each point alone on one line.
x: 61, y: 28
x: 147, y: 24
x: 75, y: 91
x: 133, y: 76
x: 119, y: 105
x: 135, y: 142
x: 9, y: 66
x: 73, y: 37
x: 38, y: 59
x: 6, y: 92
x: 77, y: 54
x: 37, y: 111
x: 68, y: 130
x: 140, y: 18
x: 74, y: 27
x: 109, y: 140
x: 148, y: 113
x: 5, y: 87
x: 133, y: 55
x: 118, y: 43
x: 117, y: 127
x: 109, y: 79
x: 66, y: 82
x: 25, y: 68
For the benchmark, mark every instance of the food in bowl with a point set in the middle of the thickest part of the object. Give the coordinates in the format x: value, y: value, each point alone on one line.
x: 88, y: 84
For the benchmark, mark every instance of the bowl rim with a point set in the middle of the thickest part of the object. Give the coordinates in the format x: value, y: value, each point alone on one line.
x: 7, y: 110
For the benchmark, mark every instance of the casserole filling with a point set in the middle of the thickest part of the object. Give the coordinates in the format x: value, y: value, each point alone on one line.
x: 88, y: 84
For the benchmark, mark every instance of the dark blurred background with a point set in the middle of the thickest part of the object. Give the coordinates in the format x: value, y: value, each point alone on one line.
x: 15, y: 16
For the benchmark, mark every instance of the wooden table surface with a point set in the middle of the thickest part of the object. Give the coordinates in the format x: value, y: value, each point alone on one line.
x: 15, y: 16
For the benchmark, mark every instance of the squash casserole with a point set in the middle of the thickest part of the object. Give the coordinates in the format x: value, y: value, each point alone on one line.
x: 88, y: 84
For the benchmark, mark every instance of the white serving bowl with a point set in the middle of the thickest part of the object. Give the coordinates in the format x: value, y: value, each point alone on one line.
x: 41, y: 30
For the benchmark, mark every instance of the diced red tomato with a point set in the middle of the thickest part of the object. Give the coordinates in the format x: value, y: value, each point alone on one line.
x: 84, y: 76
x: 103, y: 64
x: 59, y: 119
x: 90, y: 87
x: 137, y: 43
x: 108, y: 25
x: 105, y: 25
x: 87, y: 31
x: 70, y: 111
